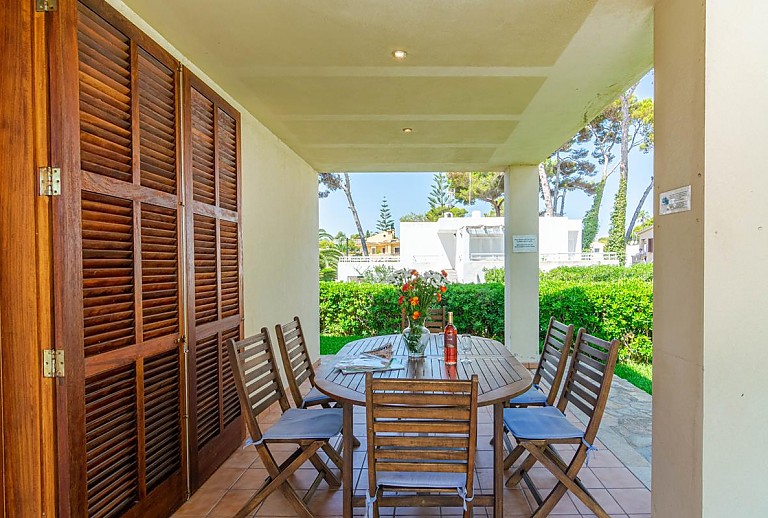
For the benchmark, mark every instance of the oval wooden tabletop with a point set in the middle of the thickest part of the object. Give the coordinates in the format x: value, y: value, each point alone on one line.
x: 501, y: 377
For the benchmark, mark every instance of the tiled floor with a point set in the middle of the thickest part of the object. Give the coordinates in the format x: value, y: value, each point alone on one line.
x: 609, y: 480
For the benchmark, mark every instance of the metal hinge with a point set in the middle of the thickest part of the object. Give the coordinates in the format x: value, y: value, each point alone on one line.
x: 43, y: 6
x: 53, y: 363
x: 50, y: 181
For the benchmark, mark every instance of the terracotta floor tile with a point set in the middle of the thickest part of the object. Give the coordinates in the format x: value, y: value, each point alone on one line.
x: 241, y: 458
x: 276, y: 506
x: 223, y: 478
x: 617, y: 478
x: 230, y: 503
x: 201, y: 502
x: 603, y: 458
x: 603, y: 498
x: 417, y: 511
x: 251, y: 479
x: 633, y: 501
x: 515, y: 503
x: 564, y: 506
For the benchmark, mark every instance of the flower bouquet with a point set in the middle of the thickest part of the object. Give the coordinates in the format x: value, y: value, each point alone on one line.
x: 419, y: 293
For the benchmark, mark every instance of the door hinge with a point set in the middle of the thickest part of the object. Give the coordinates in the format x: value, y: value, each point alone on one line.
x: 43, y: 6
x: 53, y: 363
x: 50, y: 181
x: 181, y: 340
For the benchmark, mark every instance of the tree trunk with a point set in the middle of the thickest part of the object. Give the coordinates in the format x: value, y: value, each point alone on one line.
x: 631, y: 226
x: 562, y: 203
x: 496, y: 204
x: 546, y: 191
x: 348, y: 191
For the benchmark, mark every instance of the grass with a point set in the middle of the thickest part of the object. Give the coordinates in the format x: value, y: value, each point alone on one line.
x: 638, y: 374
x: 332, y: 344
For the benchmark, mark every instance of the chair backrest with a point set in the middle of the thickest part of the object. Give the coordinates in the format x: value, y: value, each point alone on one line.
x: 435, y: 320
x: 589, y: 379
x: 257, y: 378
x: 557, y: 346
x: 296, y: 361
x: 421, y: 426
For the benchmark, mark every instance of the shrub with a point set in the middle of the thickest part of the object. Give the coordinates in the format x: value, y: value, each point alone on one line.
x: 599, y: 273
x: 494, y: 275
x: 622, y: 309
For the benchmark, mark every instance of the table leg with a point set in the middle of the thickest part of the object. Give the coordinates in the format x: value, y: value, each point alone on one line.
x: 347, y: 453
x: 498, y: 460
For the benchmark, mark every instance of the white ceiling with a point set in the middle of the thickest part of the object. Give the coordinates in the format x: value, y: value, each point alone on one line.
x: 486, y: 83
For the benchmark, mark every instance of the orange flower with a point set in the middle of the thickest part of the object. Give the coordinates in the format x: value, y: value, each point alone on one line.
x: 414, y: 301
x: 439, y: 296
x: 406, y: 287
x: 414, y: 273
x: 416, y: 315
x: 443, y: 273
x: 400, y: 300
x: 442, y: 289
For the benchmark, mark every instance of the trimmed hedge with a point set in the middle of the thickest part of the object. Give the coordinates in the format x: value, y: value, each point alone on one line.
x: 622, y: 309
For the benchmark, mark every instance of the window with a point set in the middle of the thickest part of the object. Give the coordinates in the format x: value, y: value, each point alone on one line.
x: 650, y: 245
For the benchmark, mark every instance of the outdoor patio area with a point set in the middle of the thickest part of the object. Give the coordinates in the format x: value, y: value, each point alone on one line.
x: 618, y: 474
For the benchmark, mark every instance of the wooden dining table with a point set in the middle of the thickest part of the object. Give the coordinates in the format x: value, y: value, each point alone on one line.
x: 501, y: 377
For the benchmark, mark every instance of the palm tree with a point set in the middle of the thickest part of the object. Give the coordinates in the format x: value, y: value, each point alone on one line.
x: 330, y: 252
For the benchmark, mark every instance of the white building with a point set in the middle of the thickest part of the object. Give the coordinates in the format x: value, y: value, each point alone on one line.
x: 466, y: 247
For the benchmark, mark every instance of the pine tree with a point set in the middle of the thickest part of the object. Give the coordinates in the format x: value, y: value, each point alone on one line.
x: 385, y: 217
x: 440, y: 196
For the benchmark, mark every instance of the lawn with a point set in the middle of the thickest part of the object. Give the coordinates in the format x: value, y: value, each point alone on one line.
x: 638, y: 374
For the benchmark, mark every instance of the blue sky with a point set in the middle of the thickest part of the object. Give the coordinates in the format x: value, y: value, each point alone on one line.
x: 407, y: 192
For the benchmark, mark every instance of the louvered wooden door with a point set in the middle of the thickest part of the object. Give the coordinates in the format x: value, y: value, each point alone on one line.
x: 212, y: 173
x: 118, y: 278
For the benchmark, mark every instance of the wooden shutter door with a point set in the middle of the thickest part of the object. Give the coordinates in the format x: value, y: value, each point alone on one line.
x: 118, y: 235
x: 212, y: 175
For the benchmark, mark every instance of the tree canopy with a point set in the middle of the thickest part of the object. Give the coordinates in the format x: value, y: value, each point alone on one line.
x: 469, y: 186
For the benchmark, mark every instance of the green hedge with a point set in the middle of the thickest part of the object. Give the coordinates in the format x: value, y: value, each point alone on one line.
x: 584, y: 274
x: 622, y: 309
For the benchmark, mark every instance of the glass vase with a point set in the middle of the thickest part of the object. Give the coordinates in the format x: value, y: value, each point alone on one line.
x: 416, y: 337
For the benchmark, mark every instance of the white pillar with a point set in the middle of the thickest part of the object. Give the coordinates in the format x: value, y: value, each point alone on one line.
x: 521, y: 270
x: 710, y: 286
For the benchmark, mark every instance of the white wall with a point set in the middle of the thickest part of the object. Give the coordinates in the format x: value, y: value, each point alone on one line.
x: 279, y: 218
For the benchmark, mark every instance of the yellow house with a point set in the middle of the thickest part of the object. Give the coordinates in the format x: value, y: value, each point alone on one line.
x: 383, y: 243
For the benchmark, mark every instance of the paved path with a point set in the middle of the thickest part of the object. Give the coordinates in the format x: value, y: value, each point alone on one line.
x: 626, y: 428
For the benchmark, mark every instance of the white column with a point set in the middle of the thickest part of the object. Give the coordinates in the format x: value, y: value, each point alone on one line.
x: 711, y: 286
x: 521, y: 270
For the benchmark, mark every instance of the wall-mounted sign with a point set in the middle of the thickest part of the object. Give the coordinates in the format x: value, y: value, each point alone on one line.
x: 524, y: 244
x: 676, y: 200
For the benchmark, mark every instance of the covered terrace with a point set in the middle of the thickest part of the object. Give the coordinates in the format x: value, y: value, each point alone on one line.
x: 217, y: 116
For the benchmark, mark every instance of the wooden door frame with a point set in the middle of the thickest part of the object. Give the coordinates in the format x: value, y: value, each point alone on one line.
x: 27, y: 414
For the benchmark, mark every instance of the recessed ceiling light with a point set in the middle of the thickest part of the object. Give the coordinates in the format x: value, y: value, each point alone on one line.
x: 407, y: 130
x: 399, y: 54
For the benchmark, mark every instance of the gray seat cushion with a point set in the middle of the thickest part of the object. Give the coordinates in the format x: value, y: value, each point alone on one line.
x: 297, y: 423
x: 315, y: 397
x: 540, y: 423
x: 420, y: 480
x: 532, y: 396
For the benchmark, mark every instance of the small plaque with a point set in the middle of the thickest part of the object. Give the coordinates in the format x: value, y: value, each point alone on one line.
x: 676, y: 200
x: 523, y: 244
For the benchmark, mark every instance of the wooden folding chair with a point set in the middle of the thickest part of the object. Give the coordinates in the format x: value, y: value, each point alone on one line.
x: 435, y: 320
x: 537, y: 429
x: 298, y: 368
x: 421, y: 438
x: 257, y: 379
x: 551, y: 367
x: 298, y: 365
